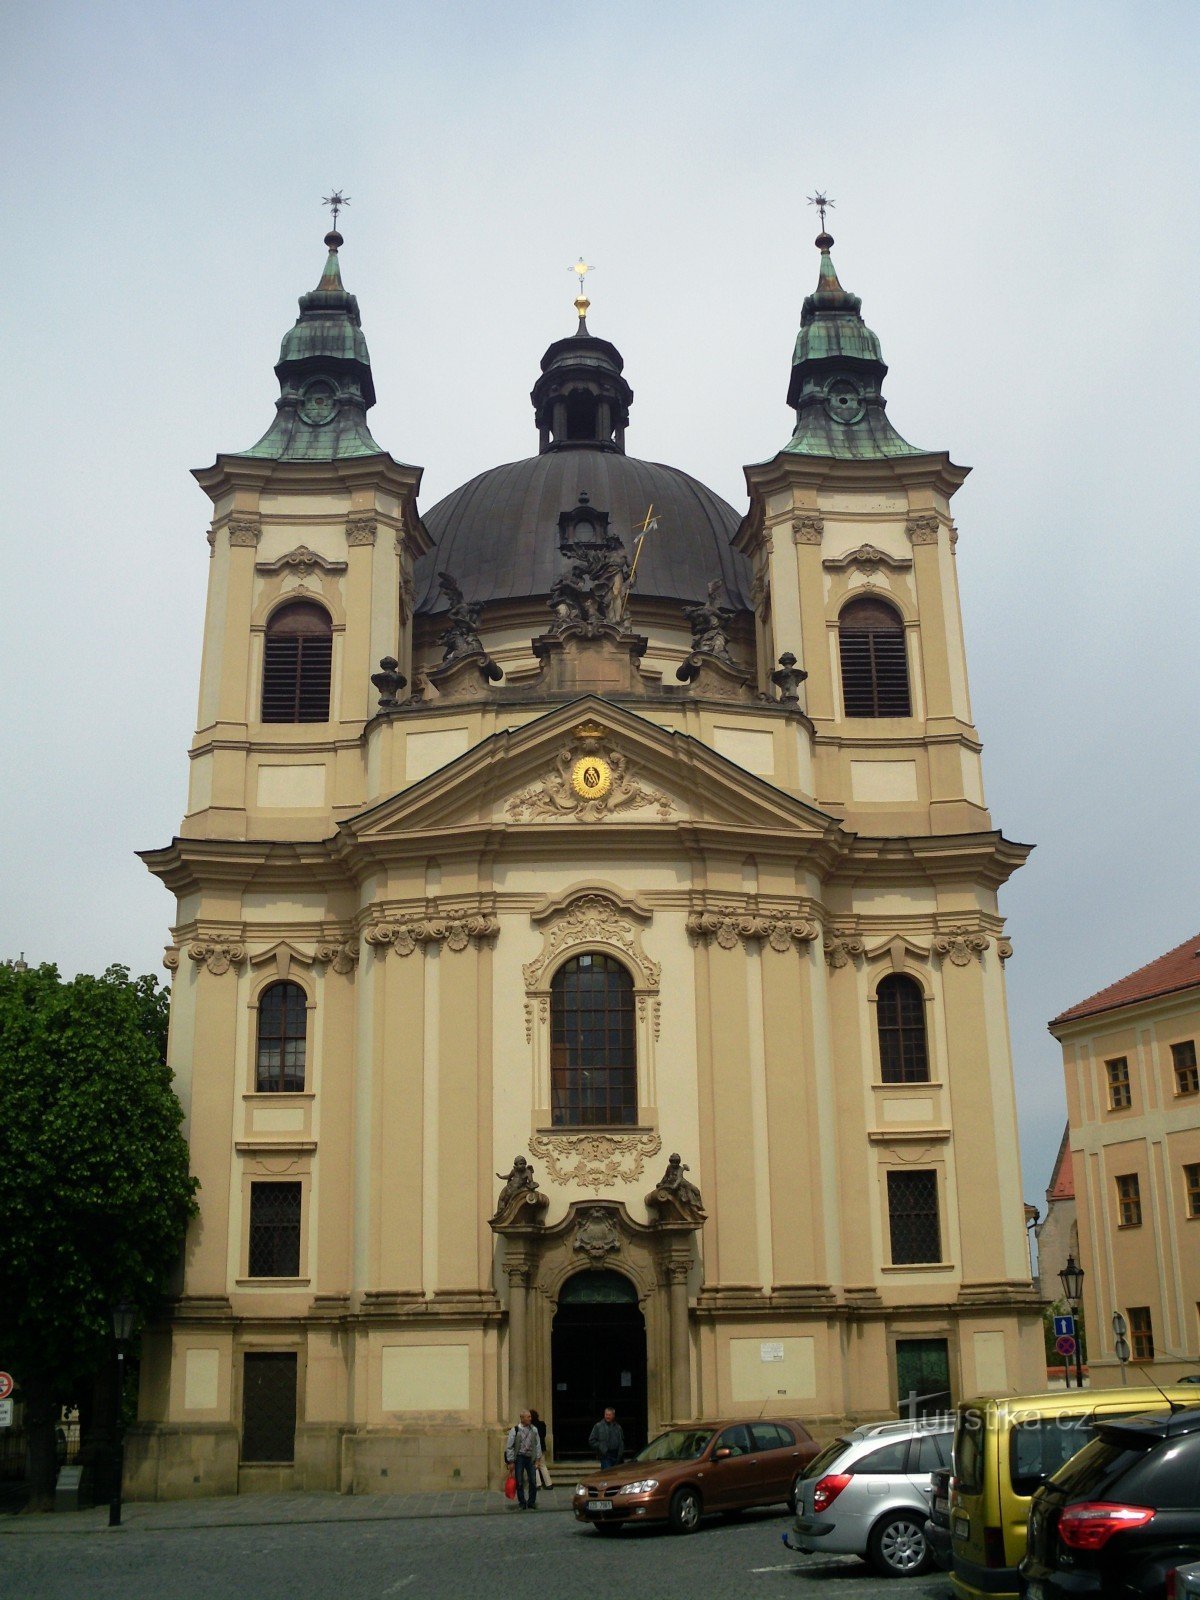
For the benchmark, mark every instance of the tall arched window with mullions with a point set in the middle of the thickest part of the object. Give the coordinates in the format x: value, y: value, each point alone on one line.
x: 282, y: 1039
x: 297, y: 657
x: 593, y: 1045
x: 874, y: 660
x: 900, y: 1008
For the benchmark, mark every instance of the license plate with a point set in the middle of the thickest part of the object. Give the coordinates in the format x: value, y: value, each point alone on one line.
x: 943, y: 1506
x: 962, y: 1527
x: 1034, y: 1590
x: 599, y: 1505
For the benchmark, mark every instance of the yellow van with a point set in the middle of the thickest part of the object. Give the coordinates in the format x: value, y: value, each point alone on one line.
x: 1005, y: 1449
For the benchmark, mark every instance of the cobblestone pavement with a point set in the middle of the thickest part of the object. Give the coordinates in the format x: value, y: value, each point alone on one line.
x: 383, y: 1554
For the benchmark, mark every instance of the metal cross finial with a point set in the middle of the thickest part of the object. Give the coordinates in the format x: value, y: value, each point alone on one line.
x: 335, y: 202
x: 581, y: 270
x: 821, y: 201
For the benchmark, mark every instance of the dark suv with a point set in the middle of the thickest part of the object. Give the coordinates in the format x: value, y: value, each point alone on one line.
x: 1121, y: 1514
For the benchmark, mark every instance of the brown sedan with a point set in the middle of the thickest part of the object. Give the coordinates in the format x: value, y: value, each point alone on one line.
x: 687, y: 1472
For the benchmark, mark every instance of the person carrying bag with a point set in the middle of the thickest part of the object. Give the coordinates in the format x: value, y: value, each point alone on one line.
x: 523, y: 1449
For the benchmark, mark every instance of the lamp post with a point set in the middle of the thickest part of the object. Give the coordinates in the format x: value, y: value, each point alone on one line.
x: 1071, y: 1278
x: 123, y: 1317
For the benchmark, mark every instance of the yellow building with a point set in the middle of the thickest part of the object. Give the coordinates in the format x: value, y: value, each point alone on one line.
x: 510, y: 873
x: 1133, y: 1111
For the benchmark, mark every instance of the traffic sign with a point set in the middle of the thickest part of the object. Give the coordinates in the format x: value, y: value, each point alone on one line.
x: 1121, y: 1350
x: 1119, y: 1326
x: 6, y: 1411
x: 1065, y: 1345
x: 6, y: 1385
x: 1064, y: 1325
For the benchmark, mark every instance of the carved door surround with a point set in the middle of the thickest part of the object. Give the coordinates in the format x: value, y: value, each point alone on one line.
x: 592, y: 917
x: 600, y: 1235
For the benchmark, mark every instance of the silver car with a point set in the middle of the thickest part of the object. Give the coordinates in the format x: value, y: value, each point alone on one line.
x: 867, y: 1494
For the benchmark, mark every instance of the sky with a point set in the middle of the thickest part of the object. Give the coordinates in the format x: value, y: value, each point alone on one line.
x: 1015, y: 203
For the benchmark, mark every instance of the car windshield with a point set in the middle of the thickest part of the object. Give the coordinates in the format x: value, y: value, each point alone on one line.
x: 678, y: 1444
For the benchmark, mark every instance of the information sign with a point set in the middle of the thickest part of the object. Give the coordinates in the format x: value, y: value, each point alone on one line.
x: 1064, y: 1325
x: 6, y: 1411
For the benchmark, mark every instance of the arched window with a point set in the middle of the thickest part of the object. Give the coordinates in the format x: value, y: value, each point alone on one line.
x: 296, y: 664
x: 874, y: 660
x: 903, y: 1057
x: 593, y: 1049
x: 282, y: 1039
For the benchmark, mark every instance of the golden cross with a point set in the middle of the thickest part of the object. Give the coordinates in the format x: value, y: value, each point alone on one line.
x: 821, y: 201
x: 649, y: 524
x: 335, y: 202
x: 581, y: 270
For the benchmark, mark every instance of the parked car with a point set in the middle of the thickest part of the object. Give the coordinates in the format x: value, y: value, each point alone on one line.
x: 1121, y: 1514
x: 937, y: 1523
x: 688, y: 1472
x: 1004, y: 1450
x: 867, y: 1494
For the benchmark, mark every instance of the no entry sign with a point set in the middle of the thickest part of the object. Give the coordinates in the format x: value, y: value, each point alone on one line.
x: 6, y: 1385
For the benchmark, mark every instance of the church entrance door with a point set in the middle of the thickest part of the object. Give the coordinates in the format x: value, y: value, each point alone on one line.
x: 598, y: 1359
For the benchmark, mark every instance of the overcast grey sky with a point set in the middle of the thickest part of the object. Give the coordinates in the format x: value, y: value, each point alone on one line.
x: 1016, y: 204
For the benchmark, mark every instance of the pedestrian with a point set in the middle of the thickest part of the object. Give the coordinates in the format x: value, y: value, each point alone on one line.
x: 523, y: 1448
x: 607, y: 1440
x: 543, y: 1472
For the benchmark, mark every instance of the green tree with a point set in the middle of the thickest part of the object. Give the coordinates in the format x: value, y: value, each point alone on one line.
x: 95, y: 1193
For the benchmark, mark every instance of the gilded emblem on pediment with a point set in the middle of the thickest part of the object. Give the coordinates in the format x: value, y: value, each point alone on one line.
x: 590, y: 780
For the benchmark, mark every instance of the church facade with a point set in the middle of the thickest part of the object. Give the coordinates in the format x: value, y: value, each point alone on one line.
x: 588, y: 981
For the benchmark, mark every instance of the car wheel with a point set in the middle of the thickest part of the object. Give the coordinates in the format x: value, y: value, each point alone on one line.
x: 793, y: 1499
x: 897, y: 1546
x: 685, y: 1511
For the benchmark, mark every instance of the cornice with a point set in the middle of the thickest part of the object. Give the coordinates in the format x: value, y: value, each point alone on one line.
x: 254, y: 473
x: 788, y: 469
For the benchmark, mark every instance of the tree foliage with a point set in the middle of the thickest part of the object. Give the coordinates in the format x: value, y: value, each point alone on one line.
x: 95, y: 1194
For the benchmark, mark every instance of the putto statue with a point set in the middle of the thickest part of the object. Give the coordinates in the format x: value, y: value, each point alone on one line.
x: 676, y: 1198
x: 519, y: 1195
x: 460, y: 636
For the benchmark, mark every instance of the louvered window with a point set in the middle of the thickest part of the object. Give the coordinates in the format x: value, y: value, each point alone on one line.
x: 274, y: 1230
x: 593, y: 1047
x: 874, y: 661
x: 282, y: 1039
x: 903, y: 1057
x: 913, y: 1217
x: 297, y: 657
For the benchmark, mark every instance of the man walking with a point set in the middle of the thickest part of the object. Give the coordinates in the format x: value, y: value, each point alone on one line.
x: 523, y: 1448
x: 607, y: 1440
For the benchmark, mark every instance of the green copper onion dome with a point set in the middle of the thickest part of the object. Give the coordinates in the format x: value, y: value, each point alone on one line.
x: 324, y: 375
x: 837, y: 376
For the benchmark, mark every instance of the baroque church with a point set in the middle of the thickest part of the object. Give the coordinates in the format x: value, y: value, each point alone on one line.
x: 587, y: 976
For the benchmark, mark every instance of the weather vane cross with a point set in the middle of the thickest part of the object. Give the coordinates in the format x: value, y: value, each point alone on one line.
x: 581, y: 270
x: 821, y: 201
x: 335, y: 202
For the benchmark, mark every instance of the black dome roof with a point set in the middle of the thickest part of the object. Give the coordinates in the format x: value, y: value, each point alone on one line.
x: 498, y: 534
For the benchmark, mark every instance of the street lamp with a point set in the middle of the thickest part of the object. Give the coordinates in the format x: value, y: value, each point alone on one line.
x: 1071, y: 1278
x: 123, y: 1317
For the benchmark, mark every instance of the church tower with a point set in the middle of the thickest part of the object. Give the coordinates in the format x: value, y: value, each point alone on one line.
x: 587, y: 969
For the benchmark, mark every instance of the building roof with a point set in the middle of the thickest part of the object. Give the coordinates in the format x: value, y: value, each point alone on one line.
x: 1062, y: 1179
x: 1178, y: 969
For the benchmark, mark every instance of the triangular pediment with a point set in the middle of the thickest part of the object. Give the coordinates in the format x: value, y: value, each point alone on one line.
x: 591, y: 764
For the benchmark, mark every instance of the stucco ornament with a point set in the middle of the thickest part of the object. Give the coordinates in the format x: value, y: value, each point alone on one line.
x: 959, y: 944
x: 591, y: 919
x: 456, y: 930
x: 596, y: 1234
x: 559, y: 796
x: 595, y: 1160
x: 841, y: 945
x: 1004, y: 948
x: 361, y: 529
x: 728, y: 925
x: 923, y: 530
x: 244, y: 532
x: 808, y: 530
x: 341, y: 957
x: 171, y: 957
x: 217, y: 956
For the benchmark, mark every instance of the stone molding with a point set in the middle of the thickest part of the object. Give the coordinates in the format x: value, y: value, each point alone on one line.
x: 171, y: 957
x: 868, y: 558
x: 361, y: 528
x: 217, y: 955
x: 1004, y: 948
x: 302, y: 561
x: 244, y: 532
x: 586, y: 920
x: 808, y: 530
x: 728, y: 925
x: 343, y: 958
x: 455, y: 929
x: 960, y: 943
x: 595, y: 1160
x: 923, y: 530
x: 842, y: 945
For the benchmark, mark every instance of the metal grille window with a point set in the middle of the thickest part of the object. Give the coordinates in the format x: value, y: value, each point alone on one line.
x: 874, y: 661
x: 913, y: 1217
x: 900, y: 1004
x: 1187, y: 1074
x: 282, y: 1039
x: 593, y: 1048
x: 269, y: 1407
x: 1141, y: 1333
x: 1120, y: 1095
x: 1191, y: 1183
x: 274, y: 1230
x: 1129, y: 1200
x: 297, y: 658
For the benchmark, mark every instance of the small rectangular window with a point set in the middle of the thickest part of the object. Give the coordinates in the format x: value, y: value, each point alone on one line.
x: 1120, y: 1096
x: 1191, y: 1179
x: 1141, y: 1333
x: 913, y: 1217
x: 1129, y: 1200
x: 274, y: 1230
x: 1187, y: 1074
